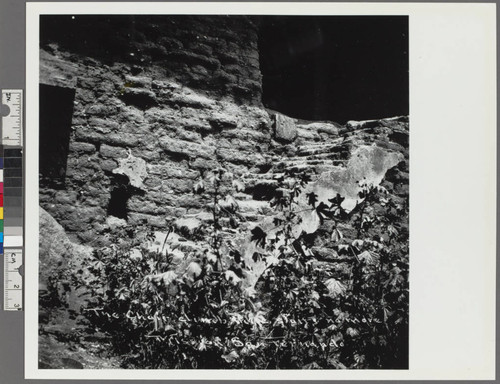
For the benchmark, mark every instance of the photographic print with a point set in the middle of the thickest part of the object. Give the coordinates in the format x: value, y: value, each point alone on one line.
x: 223, y: 192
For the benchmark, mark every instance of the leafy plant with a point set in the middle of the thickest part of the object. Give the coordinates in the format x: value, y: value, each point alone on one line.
x: 193, y: 308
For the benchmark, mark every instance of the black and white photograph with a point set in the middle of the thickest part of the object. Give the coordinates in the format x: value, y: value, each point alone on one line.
x: 223, y: 192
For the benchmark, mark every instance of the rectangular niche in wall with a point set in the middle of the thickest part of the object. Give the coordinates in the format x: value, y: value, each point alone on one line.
x: 56, y: 111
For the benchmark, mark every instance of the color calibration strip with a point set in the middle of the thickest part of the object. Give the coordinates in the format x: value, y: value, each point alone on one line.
x: 12, y: 212
x: 11, y: 199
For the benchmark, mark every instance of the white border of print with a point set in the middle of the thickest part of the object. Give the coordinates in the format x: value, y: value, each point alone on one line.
x: 452, y: 187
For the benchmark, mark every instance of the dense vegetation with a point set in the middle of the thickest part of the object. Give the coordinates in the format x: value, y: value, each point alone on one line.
x: 346, y: 307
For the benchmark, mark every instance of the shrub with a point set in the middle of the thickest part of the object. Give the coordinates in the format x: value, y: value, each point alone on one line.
x: 350, y: 312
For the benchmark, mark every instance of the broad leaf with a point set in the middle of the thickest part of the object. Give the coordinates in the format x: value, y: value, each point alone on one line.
x: 231, y: 356
x: 312, y: 198
x: 323, y: 212
x: 335, y: 287
x: 168, y: 277
x: 336, y: 235
x: 337, y: 200
x: 368, y: 257
x: 193, y: 270
x: 259, y: 236
x: 257, y: 320
x: 232, y: 277
x: 199, y: 187
x: 236, y: 255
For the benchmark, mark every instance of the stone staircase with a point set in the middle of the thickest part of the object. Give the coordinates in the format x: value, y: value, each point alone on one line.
x: 331, y: 152
x: 314, y: 157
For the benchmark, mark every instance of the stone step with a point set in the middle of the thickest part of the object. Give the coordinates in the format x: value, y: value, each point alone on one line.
x: 326, y: 155
x: 268, y: 179
x: 322, y: 149
x: 318, y: 168
x: 291, y: 163
x: 240, y: 196
x: 330, y: 142
x: 253, y: 216
x: 264, y: 179
x: 251, y: 206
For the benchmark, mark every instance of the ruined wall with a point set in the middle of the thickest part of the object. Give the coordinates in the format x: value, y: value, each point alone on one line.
x: 136, y: 112
x: 157, y: 102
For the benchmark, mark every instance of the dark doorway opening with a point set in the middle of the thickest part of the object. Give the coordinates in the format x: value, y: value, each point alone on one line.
x: 56, y: 112
x: 335, y: 68
x: 117, y: 206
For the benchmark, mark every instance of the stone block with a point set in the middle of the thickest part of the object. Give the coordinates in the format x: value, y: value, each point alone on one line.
x: 173, y: 170
x: 189, y: 201
x: 124, y: 139
x: 139, y: 97
x: 163, y: 198
x: 108, y: 165
x: 138, y: 81
x: 223, y: 77
x: 56, y: 71
x: 113, y: 152
x: 261, y: 138
x: 188, y: 135
x: 142, y: 206
x: 307, y: 134
x: 100, y: 123
x: 57, y: 252
x: 143, y: 219
x: 285, y: 129
x: 191, y: 58
x: 163, y: 115
x: 228, y: 58
x: 239, y: 157
x: 186, y: 149
x: 170, y: 43
x: 148, y: 155
x: 78, y: 119
x: 102, y: 110
x: 204, y: 164
x: 131, y: 114
x: 152, y: 182
x: 196, y: 124
x: 192, y: 100
x: 84, y: 96
x: 80, y: 147
x: 134, y: 168
x: 201, y: 48
x: 177, y: 185
x: 223, y: 120
x: 66, y: 197
x: 78, y: 220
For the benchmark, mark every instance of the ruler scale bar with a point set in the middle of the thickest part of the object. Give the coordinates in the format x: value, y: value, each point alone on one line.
x: 11, y: 124
x: 11, y: 199
x: 13, y: 281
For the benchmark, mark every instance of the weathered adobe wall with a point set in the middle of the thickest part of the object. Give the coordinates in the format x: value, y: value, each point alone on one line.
x: 216, y: 54
x: 163, y: 101
x: 175, y: 96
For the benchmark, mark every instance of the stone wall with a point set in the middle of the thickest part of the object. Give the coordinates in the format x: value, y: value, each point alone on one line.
x: 158, y: 101
x: 217, y: 54
x: 136, y: 112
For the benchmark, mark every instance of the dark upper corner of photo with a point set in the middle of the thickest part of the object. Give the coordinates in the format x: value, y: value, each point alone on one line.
x: 322, y: 68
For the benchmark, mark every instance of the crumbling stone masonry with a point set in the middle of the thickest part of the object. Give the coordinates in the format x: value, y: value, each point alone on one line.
x: 145, y: 106
x: 157, y: 102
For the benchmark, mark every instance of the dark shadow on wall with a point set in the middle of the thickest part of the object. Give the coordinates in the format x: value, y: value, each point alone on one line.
x: 118, y: 202
x: 56, y: 112
x: 336, y: 68
x: 212, y: 53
